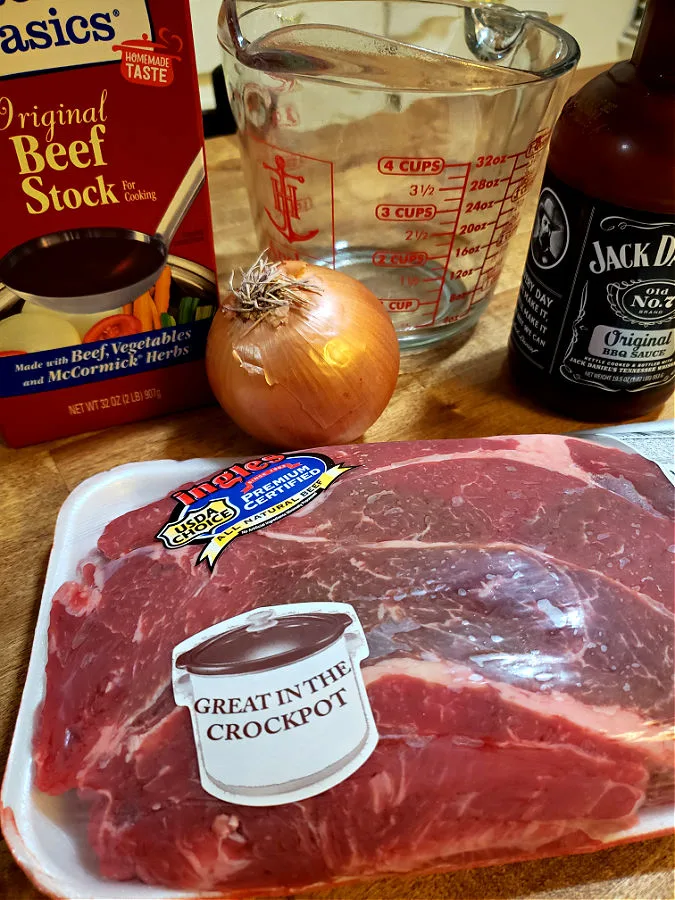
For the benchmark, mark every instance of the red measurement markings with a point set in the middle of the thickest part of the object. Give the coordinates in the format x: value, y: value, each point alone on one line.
x: 450, y: 319
x: 488, y: 271
x: 487, y: 280
x: 519, y: 182
x: 491, y: 160
x: 455, y: 177
x: 455, y: 182
x: 536, y: 145
x: 470, y: 250
x: 494, y: 229
x: 527, y: 177
x: 456, y: 274
x: 410, y: 165
x: 462, y: 296
x: 409, y: 305
x: 402, y: 212
x: 409, y: 281
x: 473, y: 227
x: 485, y: 184
x: 464, y: 182
x: 395, y: 258
x: 509, y: 229
x: 522, y: 190
x: 498, y: 252
x: 422, y: 190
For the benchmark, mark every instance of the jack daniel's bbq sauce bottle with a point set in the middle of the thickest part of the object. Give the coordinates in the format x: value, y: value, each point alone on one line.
x: 594, y: 331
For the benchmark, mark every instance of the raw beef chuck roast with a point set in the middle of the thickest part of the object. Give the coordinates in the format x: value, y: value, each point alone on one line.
x: 517, y: 597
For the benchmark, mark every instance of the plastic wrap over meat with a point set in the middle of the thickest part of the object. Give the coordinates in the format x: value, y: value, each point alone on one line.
x: 517, y: 598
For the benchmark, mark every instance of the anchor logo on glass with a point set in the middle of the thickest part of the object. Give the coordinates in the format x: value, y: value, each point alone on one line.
x: 286, y: 201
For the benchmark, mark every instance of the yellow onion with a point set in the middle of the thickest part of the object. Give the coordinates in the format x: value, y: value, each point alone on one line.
x: 299, y: 355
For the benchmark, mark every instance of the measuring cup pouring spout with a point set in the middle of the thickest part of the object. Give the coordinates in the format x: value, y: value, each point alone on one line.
x: 399, y: 139
x: 493, y: 31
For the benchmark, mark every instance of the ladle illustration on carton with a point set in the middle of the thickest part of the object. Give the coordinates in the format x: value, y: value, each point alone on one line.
x: 96, y: 269
x: 278, y: 704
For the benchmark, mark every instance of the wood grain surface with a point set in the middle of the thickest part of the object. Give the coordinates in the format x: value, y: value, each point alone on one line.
x: 459, y: 391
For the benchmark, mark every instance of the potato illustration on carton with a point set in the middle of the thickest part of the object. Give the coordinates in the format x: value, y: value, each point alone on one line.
x: 41, y: 330
x: 81, y: 322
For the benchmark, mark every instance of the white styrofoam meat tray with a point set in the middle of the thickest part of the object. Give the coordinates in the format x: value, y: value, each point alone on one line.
x: 46, y: 835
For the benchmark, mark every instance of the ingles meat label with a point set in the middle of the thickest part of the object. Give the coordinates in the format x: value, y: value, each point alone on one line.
x: 244, y: 498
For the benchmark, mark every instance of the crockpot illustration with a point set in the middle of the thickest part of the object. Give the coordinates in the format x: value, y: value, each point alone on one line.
x: 278, y: 704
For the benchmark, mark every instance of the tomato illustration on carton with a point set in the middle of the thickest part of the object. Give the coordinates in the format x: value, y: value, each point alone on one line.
x: 149, y: 62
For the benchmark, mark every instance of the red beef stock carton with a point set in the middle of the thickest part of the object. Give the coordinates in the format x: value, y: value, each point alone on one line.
x: 107, y: 268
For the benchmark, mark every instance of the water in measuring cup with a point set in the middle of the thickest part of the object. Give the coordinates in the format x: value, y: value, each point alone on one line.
x: 362, y: 59
x: 429, y: 240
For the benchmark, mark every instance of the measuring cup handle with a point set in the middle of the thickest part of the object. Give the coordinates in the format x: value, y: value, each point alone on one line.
x: 233, y: 26
x: 182, y: 200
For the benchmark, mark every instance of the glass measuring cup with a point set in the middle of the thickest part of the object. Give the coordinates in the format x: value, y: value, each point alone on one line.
x: 394, y: 140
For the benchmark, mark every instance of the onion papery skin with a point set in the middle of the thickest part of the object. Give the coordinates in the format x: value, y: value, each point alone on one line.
x: 322, y: 376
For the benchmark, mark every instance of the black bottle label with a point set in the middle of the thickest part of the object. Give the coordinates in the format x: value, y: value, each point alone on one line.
x: 597, y: 302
